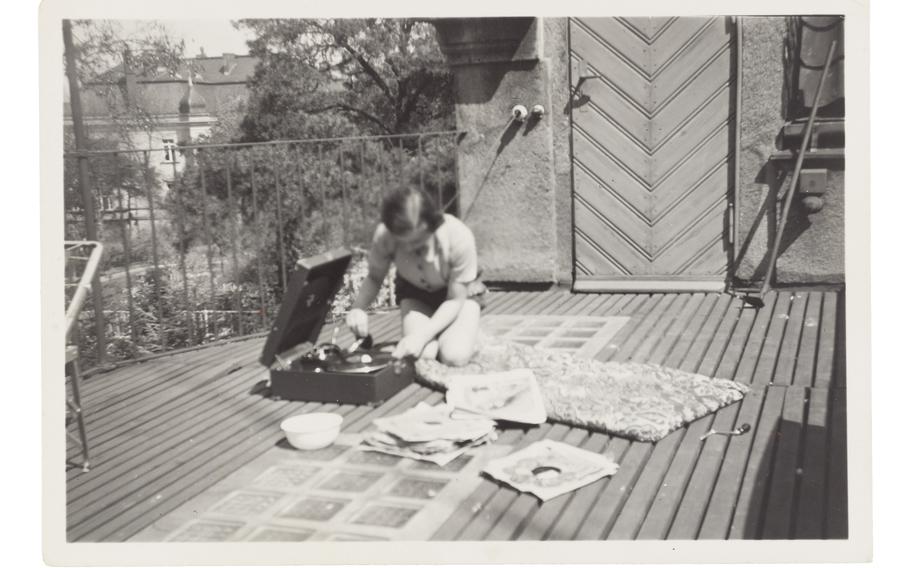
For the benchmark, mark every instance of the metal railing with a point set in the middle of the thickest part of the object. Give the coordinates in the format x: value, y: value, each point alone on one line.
x: 200, y: 249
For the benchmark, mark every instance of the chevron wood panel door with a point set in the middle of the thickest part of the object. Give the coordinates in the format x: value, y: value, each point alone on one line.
x: 652, y: 118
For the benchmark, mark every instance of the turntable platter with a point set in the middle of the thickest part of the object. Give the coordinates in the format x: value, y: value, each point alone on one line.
x: 362, y: 362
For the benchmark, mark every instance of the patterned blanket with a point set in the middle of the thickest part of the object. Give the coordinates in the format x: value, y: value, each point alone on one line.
x: 639, y: 401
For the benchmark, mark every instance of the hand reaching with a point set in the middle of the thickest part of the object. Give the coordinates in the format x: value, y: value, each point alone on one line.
x: 409, y: 346
x: 358, y: 322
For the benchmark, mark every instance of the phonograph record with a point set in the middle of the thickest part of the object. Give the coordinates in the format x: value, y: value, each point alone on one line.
x: 302, y: 369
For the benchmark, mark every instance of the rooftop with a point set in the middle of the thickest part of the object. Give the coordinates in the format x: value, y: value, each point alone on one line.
x: 187, y: 429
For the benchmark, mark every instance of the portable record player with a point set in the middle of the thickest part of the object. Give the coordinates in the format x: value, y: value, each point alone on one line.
x: 302, y: 369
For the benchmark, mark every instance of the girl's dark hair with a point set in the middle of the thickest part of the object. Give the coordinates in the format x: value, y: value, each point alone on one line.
x: 403, y: 210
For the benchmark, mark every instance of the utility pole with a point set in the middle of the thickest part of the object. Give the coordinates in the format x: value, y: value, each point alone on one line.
x: 88, y: 200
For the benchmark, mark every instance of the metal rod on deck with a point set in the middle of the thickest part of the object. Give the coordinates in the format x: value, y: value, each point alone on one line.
x: 181, y: 230
x: 124, y: 234
x: 88, y: 199
x: 162, y: 329
x: 232, y: 212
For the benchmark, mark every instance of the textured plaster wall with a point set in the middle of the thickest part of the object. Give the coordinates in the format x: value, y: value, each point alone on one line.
x: 508, y: 175
x: 812, y: 245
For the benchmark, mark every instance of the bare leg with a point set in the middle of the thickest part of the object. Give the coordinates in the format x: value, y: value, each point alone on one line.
x: 414, y: 315
x: 457, y: 342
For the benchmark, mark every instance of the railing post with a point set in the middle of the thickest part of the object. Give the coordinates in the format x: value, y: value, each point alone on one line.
x: 300, y: 181
x: 383, y: 175
x: 279, y: 221
x: 181, y: 231
x: 401, y: 169
x: 162, y: 329
x: 206, y: 227
x: 345, y: 221
x: 127, y: 253
x: 420, y: 159
x: 88, y: 199
x: 257, y: 236
x: 363, y: 185
x: 439, y: 195
x: 325, y: 211
x: 232, y: 212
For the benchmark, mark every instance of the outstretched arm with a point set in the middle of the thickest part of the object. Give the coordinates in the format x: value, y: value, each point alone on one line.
x: 378, y: 266
x: 369, y: 289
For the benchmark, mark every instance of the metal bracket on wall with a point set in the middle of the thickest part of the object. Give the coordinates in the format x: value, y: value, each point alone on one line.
x: 581, y: 72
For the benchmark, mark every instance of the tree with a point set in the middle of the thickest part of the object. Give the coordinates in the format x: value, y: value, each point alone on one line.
x: 103, y: 52
x: 345, y: 76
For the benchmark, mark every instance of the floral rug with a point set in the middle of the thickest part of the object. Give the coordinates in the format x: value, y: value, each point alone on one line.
x: 642, y: 402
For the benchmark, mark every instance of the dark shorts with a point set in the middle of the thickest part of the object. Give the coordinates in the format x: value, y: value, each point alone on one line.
x: 404, y: 290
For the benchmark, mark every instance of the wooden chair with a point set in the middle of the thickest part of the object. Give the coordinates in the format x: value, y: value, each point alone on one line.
x: 76, y: 253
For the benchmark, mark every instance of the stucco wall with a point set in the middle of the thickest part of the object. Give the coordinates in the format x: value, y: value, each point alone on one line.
x: 507, y: 172
x: 812, y: 244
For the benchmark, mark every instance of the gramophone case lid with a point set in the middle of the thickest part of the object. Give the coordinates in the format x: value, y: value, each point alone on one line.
x: 306, y: 302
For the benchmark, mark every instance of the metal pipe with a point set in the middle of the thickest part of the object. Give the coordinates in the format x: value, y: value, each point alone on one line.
x: 796, y: 169
x: 85, y: 281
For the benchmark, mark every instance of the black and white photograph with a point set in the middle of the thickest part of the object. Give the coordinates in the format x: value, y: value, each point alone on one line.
x: 442, y: 280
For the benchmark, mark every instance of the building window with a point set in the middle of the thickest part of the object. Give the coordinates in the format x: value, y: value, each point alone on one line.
x: 170, y: 149
x: 107, y: 203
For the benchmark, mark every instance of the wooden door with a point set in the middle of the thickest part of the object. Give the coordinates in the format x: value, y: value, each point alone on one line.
x: 652, y: 118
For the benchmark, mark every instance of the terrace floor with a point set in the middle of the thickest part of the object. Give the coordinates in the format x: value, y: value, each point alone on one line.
x: 164, y: 431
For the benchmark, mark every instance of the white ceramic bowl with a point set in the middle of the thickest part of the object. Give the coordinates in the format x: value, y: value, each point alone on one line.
x: 312, y: 431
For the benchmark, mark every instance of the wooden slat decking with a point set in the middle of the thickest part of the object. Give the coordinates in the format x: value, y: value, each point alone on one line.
x: 164, y: 430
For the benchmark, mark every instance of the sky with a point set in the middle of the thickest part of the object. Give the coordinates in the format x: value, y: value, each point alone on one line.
x: 214, y: 36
